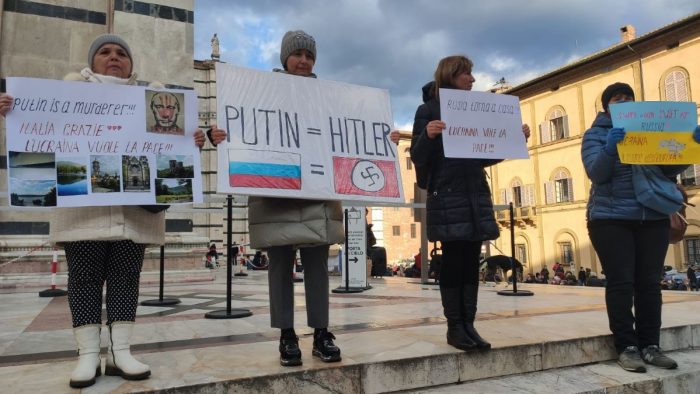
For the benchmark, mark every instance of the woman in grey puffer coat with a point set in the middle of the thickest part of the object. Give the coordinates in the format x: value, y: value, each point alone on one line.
x: 283, y: 225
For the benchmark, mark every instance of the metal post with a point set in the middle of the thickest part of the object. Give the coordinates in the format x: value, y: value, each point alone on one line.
x: 513, y: 268
x: 161, y: 301
x: 228, y: 313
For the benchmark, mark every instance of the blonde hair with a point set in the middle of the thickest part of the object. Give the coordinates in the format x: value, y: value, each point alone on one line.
x: 448, y: 69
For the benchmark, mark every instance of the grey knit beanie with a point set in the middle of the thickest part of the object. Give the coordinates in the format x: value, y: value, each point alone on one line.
x: 109, y: 39
x: 294, y: 40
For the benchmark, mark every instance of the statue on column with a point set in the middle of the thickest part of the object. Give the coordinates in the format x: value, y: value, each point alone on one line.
x: 215, y: 47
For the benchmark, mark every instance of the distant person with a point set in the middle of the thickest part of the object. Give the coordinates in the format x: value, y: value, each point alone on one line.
x: 692, y: 279
x: 212, y: 257
x: 582, y: 277
x: 630, y: 239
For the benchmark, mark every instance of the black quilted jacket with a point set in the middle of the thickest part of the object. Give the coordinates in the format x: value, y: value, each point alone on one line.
x: 459, y: 199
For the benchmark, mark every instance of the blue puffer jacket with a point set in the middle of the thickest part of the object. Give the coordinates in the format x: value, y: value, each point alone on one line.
x: 612, y: 193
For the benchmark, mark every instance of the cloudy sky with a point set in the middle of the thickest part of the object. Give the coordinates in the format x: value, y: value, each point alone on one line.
x: 396, y: 44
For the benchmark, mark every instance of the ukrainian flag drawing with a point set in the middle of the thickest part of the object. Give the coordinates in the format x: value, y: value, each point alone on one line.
x: 264, y: 169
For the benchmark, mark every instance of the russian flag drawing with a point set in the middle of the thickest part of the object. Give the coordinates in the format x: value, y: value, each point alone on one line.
x: 264, y: 169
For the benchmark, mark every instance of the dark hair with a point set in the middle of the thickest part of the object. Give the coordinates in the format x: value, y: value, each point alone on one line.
x: 448, y: 69
x: 613, y: 90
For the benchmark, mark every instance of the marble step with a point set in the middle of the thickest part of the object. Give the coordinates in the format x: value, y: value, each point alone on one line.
x: 412, y: 368
x: 604, y: 377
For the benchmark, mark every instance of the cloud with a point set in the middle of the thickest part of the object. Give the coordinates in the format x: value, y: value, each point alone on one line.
x: 396, y: 44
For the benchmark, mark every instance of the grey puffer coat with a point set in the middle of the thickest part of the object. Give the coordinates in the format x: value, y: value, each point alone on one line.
x: 459, y: 204
x: 291, y: 221
x: 612, y: 192
x: 297, y: 222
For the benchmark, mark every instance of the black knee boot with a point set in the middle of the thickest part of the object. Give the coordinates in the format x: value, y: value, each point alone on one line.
x: 468, y: 304
x: 456, y: 336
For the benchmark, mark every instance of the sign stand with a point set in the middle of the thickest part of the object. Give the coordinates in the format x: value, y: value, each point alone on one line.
x: 347, y: 288
x: 161, y: 301
x: 53, y: 291
x: 513, y: 269
x: 228, y: 313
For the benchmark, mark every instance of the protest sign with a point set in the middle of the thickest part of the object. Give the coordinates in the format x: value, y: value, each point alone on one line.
x: 657, y: 132
x: 481, y: 125
x: 74, y: 144
x: 290, y: 136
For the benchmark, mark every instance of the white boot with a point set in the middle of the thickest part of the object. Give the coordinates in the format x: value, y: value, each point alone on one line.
x: 89, y: 365
x: 120, y: 362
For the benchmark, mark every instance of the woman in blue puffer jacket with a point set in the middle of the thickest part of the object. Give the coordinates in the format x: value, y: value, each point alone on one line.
x: 630, y: 240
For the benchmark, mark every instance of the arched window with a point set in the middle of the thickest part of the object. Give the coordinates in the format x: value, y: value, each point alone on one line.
x: 560, y: 189
x: 675, y: 86
x: 555, y: 127
x: 521, y: 195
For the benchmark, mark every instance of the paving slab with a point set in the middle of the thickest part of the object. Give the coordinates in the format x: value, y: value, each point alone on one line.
x: 392, y: 338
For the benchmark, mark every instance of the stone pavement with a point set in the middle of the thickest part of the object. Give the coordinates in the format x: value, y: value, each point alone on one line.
x: 392, y: 338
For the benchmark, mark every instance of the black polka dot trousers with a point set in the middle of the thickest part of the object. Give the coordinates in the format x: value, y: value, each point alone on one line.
x: 90, y: 265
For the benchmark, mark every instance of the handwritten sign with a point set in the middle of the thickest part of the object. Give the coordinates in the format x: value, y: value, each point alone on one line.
x: 86, y: 144
x: 290, y: 136
x: 481, y: 125
x: 657, y: 132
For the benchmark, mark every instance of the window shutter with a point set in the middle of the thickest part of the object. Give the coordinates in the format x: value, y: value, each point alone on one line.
x: 509, y: 196
x: 502, y: 194
x: 570, y: 188
x: 669, y: 88
x: 548, y: 192
x: 544, y: 132
x: 529, y: 200
x: 696, y: 167
x: 681, y: 91
x: 565, y: 125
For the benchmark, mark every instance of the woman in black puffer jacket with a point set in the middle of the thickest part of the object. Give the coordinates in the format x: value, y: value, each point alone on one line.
x: 459, y: 206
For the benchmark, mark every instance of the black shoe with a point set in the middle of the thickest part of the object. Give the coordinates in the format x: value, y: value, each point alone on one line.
x: 290, y: 354
x: 456, y: 336
x: 631, y: 360
x: 324, y: 348
x: 654, y: 356
x: 471, y: 332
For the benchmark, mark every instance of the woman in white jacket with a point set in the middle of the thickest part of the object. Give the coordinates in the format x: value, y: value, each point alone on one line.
x: 106, y: 244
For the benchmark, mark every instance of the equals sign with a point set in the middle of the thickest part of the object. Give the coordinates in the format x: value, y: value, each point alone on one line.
x: 317, y: 169
x: 311, y: 130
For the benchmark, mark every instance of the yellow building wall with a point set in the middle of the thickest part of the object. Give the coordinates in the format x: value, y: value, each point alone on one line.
x: 580, y: 100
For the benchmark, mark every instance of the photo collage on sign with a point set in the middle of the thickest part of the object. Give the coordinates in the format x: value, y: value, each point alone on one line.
x: 32, y: 179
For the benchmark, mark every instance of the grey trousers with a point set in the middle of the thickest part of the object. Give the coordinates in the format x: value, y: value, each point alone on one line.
x: 315, y: 260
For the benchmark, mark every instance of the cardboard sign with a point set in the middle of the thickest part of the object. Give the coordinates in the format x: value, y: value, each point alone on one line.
x: 481, y: 125
x: 76, y: 144
x: 290, y: 136
x: 657, y: 132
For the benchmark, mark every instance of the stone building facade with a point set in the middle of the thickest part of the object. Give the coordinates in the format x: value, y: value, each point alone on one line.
x: 50, y: 38
x: 550, y: 190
